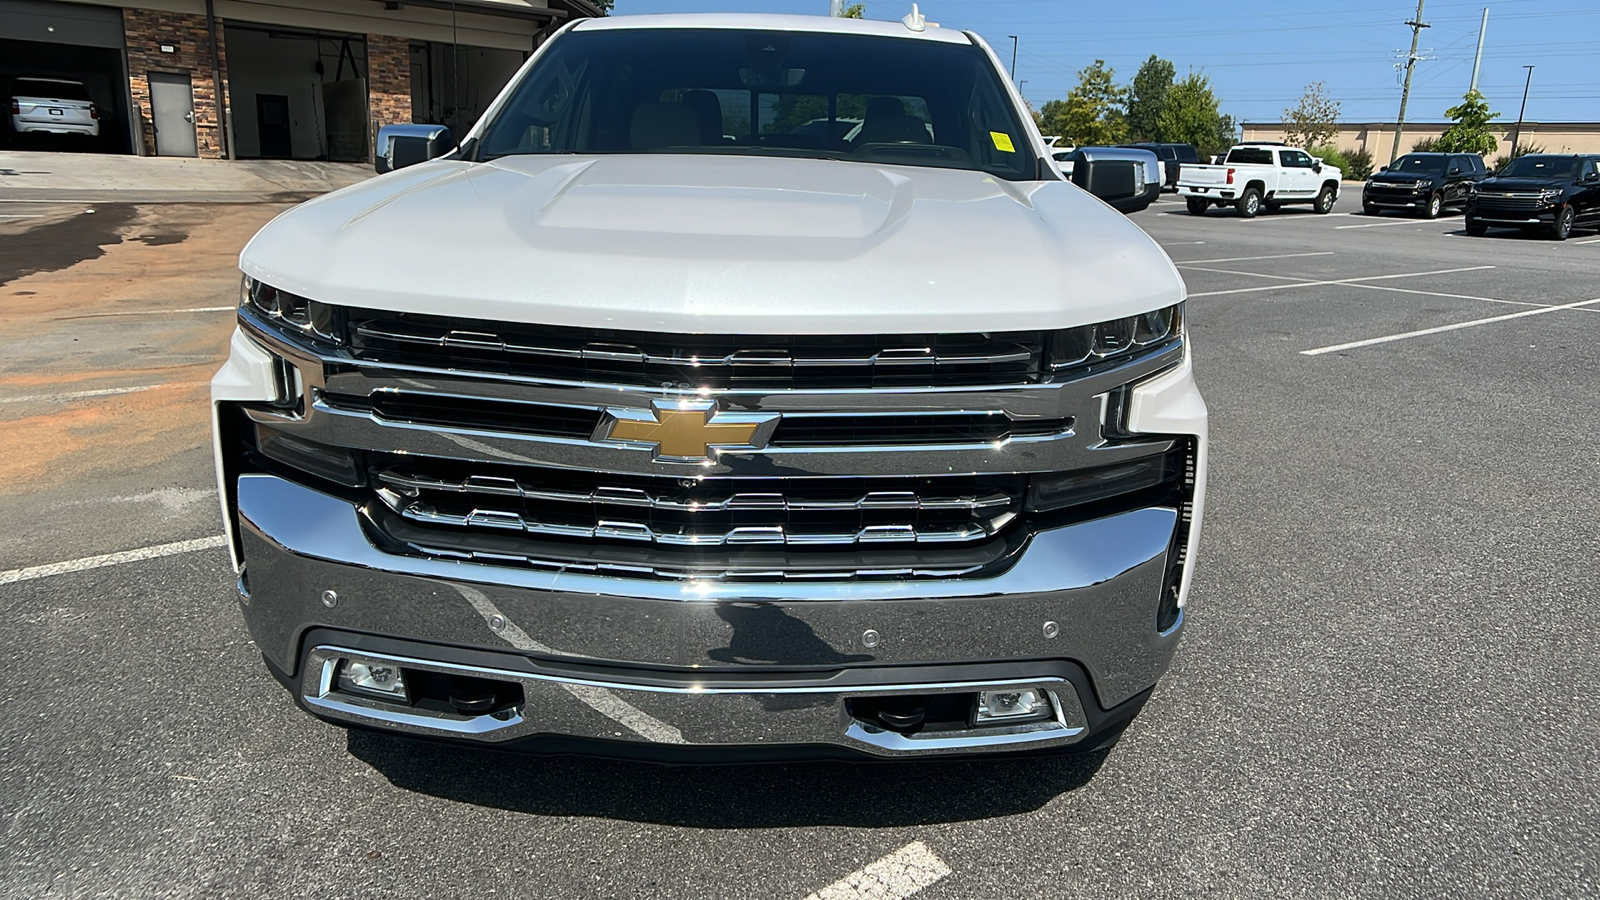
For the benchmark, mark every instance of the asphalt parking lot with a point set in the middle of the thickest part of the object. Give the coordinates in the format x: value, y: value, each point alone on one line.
x: 1385, y: 687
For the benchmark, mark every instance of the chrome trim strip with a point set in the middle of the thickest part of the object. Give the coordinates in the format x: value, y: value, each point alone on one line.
x: 709, y: 715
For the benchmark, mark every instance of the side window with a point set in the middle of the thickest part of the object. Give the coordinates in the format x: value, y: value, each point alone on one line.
x: 1593, y: 169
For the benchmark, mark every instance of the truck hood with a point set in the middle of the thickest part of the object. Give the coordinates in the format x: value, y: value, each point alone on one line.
x: 1522, y: 184
x: 1403, y: 178
x: 700, y: 244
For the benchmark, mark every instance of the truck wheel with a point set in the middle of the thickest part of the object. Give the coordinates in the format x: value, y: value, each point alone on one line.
x: 1561, y: 229
x: 1197, y: 207
x: 1248, y: 204
x: 1325, y: 200
x: 1477, y: 229
x: 1435, y: 206
x: 1271, y: 205
x: 1368, y: 209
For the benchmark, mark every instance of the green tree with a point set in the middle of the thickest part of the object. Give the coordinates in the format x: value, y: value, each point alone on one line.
x: 1093, y: 114
x: 1049, y: 116
x: 1190, y: 116
x: 1148, y: 96
x: 856, y: 11
x: 1470, y: 133
x: 1314, y: 121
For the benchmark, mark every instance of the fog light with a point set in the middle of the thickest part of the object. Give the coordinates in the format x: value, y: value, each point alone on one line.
x: 1012, y: 705
x: 373, y: 679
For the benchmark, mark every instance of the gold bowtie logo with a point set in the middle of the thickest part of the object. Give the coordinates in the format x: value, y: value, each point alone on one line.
x: 687, y: 431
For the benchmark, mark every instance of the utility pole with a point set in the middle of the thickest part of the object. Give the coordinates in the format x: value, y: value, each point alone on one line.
x: 1483, y: 28
x: 1013, y: 56
x: 1405, y: 94
x: 1517, y: 138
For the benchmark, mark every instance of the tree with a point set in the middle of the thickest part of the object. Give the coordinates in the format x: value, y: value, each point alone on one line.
x: 1148, y: 96
x: 1190, y: 116
x: 1470, y: 133
x: 856, y: 11
x: 1315, y: 121
x: 1092, y: 114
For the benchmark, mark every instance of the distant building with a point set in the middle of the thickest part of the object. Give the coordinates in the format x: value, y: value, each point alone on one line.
x: 1378, y: 138
x: 299, y: 79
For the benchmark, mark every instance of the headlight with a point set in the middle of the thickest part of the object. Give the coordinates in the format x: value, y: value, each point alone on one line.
x: 1549, y: 194
x: 291, y: 313
x: 1421, y: 184
x: 1089, y: 344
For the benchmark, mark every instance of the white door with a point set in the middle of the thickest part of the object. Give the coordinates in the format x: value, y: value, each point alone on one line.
x: 1303, y: 179
x: 172, y: 113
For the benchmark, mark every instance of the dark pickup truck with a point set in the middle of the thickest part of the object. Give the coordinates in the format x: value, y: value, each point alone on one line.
x: 1552, y: 193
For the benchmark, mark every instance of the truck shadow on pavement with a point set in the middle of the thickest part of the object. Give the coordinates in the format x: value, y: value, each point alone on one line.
x: 772, y: 795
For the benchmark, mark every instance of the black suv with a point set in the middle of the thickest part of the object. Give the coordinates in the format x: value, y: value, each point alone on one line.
x: 1426, y: 184
x: 1171, y: 156
x: 1540, y: 192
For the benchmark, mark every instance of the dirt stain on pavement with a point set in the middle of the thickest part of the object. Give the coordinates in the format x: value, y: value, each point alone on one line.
x: 60, y: 339
x: 63, y: 242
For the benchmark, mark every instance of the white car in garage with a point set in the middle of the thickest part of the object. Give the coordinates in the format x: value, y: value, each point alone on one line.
x: 52, y: 106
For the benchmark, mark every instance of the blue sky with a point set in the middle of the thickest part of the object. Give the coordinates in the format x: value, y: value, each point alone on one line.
x: 1261, y: 55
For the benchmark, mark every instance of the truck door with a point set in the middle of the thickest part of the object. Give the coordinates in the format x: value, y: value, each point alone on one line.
x: 1298, y: 180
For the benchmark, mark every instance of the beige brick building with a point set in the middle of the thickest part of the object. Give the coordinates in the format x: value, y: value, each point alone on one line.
x: 286, y: 79
x: 1378, y: 138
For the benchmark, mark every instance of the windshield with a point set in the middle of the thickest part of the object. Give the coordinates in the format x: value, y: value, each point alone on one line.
x: 764, y: 93
x: 49, y: 90
x: 1541, y: 167
x: 1420, y: 165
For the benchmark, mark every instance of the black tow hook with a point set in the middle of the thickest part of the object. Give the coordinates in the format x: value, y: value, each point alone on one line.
x: 904, y: 720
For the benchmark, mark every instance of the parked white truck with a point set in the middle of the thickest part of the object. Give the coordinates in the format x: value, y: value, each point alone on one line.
x: 1253, y: 177
x: 654, y: 420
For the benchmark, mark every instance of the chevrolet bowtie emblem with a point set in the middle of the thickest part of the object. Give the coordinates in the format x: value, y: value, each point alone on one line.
x: 686, y: 431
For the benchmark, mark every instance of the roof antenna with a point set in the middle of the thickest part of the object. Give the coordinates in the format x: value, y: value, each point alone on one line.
x: 916, y: 21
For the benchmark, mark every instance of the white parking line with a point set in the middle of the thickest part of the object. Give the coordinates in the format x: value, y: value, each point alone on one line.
x: 152, y: 312
x: 1443, y: 328
x: 21, y: 216
x: 29, y: 573
x: 1304, y: 284
x: 1196, y: 262
x: 894, y: 877
x: 1590, y: 241
x: 1383, y: 224
x: 101, y: 392
x: 56, y: 202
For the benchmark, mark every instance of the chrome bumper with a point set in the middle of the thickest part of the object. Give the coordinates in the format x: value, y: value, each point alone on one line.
x: 1085, y: 593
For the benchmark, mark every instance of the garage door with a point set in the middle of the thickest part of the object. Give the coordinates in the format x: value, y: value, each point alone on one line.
x: 74, y: 41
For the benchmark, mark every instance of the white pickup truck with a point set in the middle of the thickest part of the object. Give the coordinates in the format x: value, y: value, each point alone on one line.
x: 654, y: 420
x: 1257, y: 176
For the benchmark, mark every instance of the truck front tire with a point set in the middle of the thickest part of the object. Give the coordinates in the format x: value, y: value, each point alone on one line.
x: 1325, y: 200
x: 1435, y: 206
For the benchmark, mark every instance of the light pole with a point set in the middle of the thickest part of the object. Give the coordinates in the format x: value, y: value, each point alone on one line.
x: 1013, y: 56
x: 1517, y: 138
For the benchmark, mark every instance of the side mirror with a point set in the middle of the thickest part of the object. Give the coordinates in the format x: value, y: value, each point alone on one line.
x: 1456, y: 171
x: 1316, y: 165
x: 406, y: 145
x: 1383, y: 168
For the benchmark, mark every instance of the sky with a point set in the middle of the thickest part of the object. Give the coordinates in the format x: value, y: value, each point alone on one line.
x: 1261, y: 55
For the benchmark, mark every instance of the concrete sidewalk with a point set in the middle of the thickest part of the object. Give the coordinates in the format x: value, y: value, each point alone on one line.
x: 37, y: 175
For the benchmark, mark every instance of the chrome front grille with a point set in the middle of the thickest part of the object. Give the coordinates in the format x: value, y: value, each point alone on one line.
x: 1520, y: 202
x: 712, y: 361
x: 724, y: 512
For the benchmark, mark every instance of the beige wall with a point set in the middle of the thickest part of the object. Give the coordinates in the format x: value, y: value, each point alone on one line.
x: 1378, y: 138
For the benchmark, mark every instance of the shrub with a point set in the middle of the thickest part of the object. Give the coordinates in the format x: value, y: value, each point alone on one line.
x: 1427, y: 145
x: 1356, y: 164
x: 1523, y: 149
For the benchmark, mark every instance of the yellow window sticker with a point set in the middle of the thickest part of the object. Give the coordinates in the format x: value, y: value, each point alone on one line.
x: 1002, y: 142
